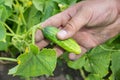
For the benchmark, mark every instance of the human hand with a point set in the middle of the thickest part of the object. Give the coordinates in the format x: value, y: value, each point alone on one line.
x: 90, y: 23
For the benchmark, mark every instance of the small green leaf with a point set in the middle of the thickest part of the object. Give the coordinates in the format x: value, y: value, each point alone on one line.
x: 2, y: 32
x: 43, y: 63
x: 77, y: 64
x: 34, y: 49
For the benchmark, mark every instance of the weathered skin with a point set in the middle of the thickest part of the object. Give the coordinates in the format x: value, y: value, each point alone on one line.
x: 89, y: 22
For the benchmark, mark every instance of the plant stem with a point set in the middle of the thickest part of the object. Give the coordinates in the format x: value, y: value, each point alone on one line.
x: 106, y: 49
x: 9, y: 34
x: 21, y: 12
x: 38, y: 26
x: 33, y: 36
x: 22, y: 16
x: 82, y: 74
x: 8, y: 59
x: 18, y: 29
x: 12, y: 20
x: 8, y: 28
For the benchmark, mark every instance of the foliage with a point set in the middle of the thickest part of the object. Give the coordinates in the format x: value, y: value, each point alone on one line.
x: 99, y: 61
x: 17, y: 30
x: 40, y: 59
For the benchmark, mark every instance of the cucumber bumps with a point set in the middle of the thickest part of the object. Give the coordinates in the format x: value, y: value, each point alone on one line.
x: 69, y: 45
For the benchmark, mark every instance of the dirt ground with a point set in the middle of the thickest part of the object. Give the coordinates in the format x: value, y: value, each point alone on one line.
x: 61, y: 73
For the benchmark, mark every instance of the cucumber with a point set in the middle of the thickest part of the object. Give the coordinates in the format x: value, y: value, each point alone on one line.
x: 69, y: 45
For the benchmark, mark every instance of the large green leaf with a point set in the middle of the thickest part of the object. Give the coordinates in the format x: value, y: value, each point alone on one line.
x: 36, y: 63
x: 98, y: 61
x: 2, y: 32
x: 116, y: 65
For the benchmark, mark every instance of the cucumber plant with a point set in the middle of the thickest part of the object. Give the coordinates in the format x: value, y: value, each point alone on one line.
x: 17, y: 32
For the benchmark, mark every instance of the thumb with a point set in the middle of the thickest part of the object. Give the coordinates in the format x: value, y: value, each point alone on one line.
x: 73, y: 25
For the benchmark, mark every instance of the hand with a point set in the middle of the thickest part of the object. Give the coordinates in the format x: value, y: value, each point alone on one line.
x: 89, y: 22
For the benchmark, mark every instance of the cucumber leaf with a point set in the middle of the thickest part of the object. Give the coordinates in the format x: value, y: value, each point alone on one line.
x: 95, y: 61
x: 98, y: 61
x: 77, y: 64
x: 35, y: 63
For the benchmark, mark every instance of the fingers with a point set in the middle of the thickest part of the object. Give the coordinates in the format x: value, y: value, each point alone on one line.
x: 108, y: 32
x: 59, y: 51
x: 79, y: 20
x: 38, y: 36
x: 57, y: 20
x: 70, y: 18
x: 73, y: 56
x: 42, y: 43
x: 61, y: 18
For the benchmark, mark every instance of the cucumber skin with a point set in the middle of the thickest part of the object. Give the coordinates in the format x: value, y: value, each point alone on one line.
x: 69, y: 45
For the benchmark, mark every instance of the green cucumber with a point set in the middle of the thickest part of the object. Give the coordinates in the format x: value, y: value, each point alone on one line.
x: 69, y: 45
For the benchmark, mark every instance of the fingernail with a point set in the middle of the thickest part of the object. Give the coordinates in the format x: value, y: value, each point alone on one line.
x: 72, y: 56
x: 61, y: 34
